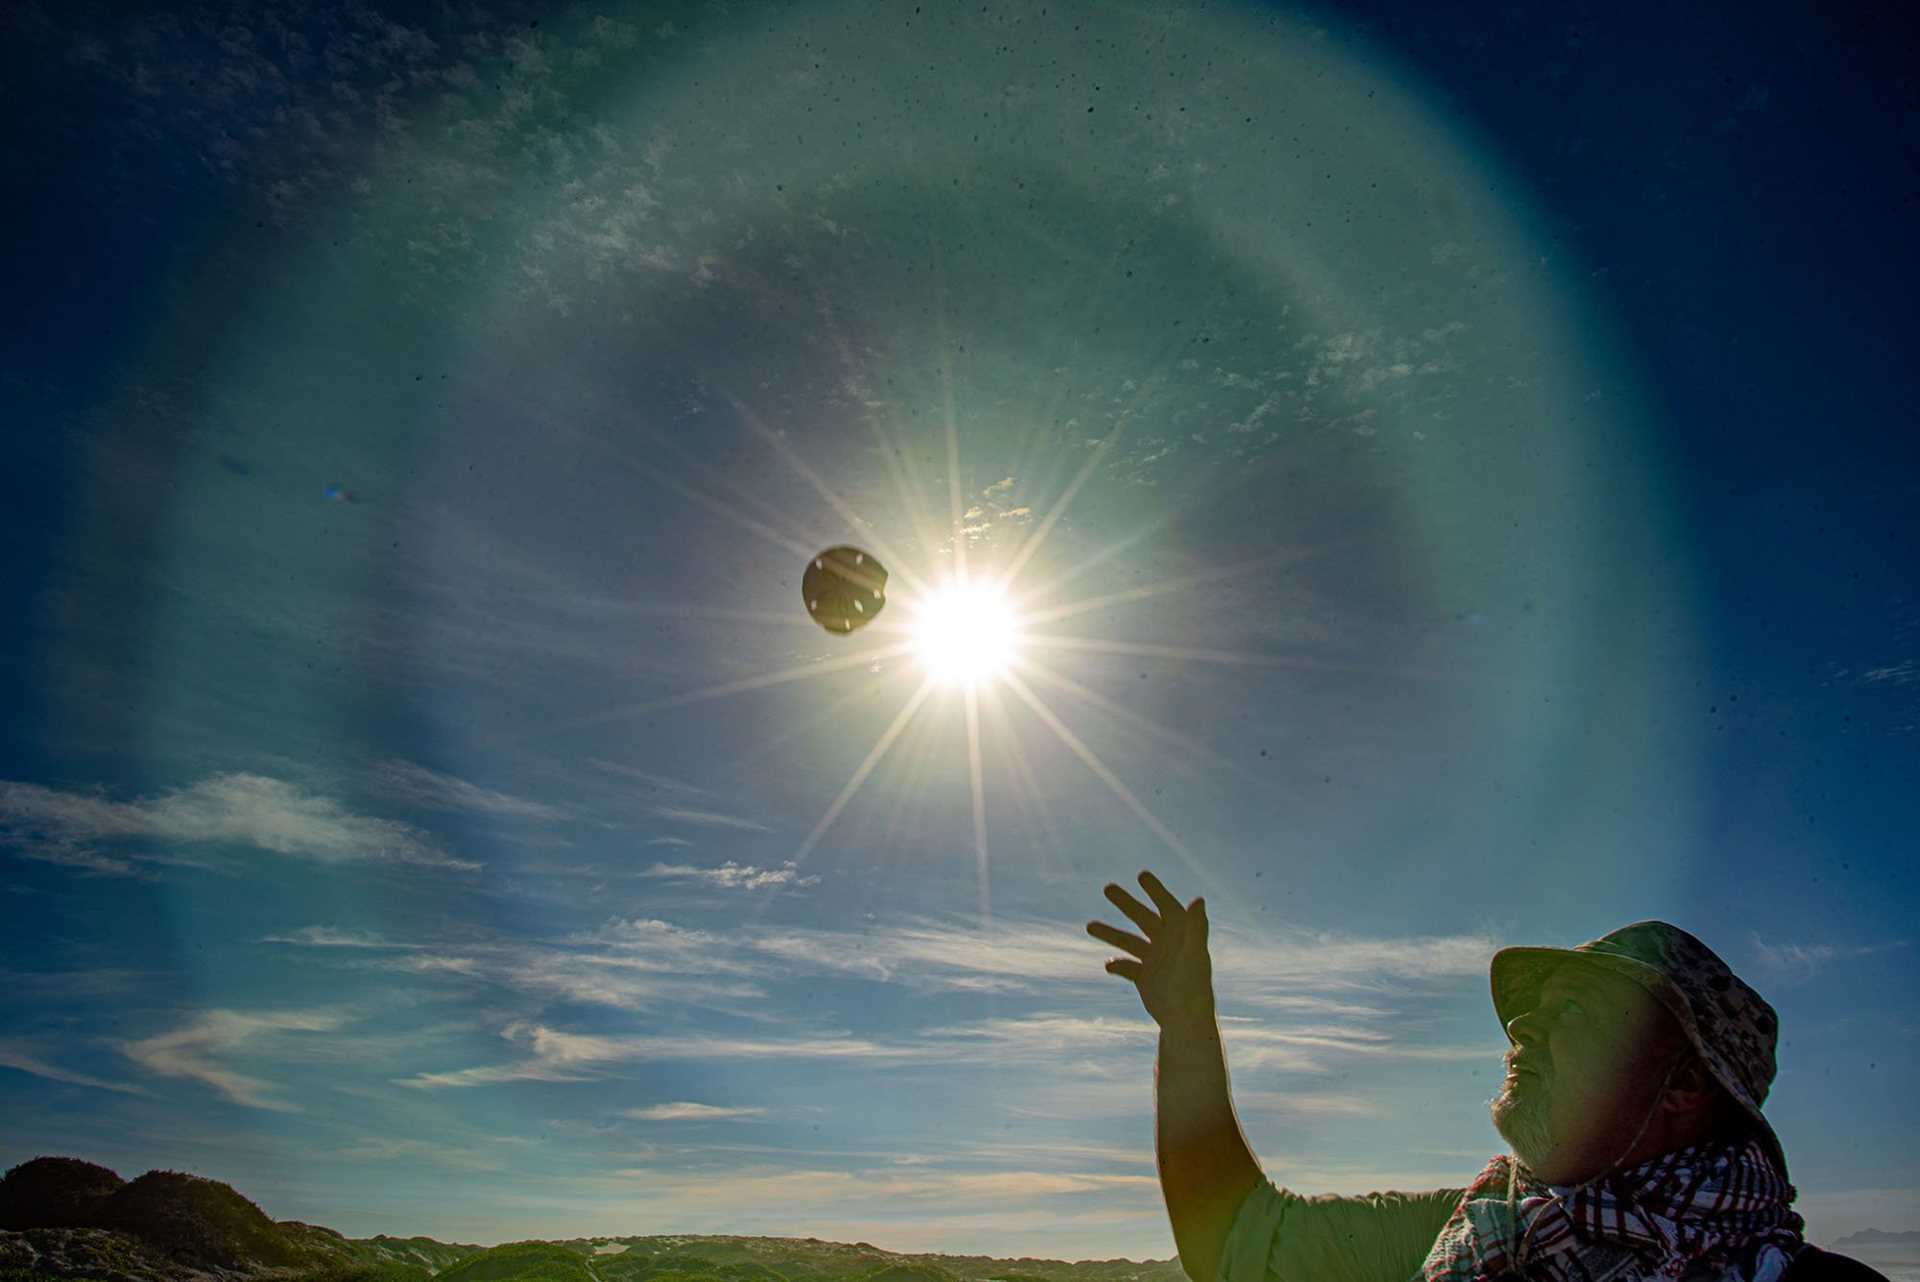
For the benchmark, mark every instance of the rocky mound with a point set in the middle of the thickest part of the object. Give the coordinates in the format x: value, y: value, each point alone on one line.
x: 55, y: 1193
x: 201, y: 1223
x: 93, y: 1254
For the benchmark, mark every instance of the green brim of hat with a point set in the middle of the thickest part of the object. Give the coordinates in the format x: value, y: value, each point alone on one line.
x: 1516, y: 975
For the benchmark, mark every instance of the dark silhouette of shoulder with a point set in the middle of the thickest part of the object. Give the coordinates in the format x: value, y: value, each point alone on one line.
x: 1813, y: 1264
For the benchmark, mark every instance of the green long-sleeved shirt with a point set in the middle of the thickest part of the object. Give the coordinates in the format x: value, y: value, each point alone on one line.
x: 1279, y: 1236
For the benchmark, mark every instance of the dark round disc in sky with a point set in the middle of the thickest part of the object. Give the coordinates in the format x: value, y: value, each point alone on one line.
x: 844, y: 588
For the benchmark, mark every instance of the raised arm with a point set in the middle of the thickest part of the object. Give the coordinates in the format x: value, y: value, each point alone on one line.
x: 1206, y: 1168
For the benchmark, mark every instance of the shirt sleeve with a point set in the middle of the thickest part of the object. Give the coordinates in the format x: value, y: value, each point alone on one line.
x: 1279, y: 1236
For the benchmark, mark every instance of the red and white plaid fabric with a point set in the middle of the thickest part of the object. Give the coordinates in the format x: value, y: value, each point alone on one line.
x: 1706, y: 1212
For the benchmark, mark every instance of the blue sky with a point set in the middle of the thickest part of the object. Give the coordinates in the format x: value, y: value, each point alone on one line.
x: 1456, y: 501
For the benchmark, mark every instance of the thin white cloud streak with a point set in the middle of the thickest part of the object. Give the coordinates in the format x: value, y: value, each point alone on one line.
x: 1799, y: 962
x: 197, y: 1048
x: 734, y: 876
x: 884, y: 1188
x: 1299, y: 1002
x: 646, y: 963
x: 65, y: 852
x: 417, y: 785
x: 385, y: 1148
x: 559, y: 1056
x: 226, y: 809
x: 16, y: 1056
x: 1306, y: 1104
x: 646, y: 777
x: 328, y: 937
x: 688, y: 1111
x: 1312, y: 958
x: 707, y: 818
x: 1031, y: 952
x: 1045, y: 1038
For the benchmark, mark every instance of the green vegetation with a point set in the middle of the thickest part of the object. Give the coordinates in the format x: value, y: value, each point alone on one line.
x: 55, y: 1192
x: 350, y: 1269
x: 522, y: 1262
x: 62, y: 1219
x: 199, y: 1222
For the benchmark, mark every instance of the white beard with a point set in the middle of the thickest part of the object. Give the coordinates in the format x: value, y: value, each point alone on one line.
x: 1521, y: 1119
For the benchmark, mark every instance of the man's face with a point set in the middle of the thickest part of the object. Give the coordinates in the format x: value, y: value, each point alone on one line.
x: 1585, y: 1069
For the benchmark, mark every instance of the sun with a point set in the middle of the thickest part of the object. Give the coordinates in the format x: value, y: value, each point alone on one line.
x: 966, y: 633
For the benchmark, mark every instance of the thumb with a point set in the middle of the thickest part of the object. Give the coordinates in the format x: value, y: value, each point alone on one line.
x: 1199, y: 910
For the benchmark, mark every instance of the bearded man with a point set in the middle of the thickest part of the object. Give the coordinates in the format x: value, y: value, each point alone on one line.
x: 1635, y: 1073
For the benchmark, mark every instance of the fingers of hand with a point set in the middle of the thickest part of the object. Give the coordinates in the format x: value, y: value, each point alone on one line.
x: 1125, y: 968
x: 1162, y: 898
x: 1119, y: 938
x: 1138, y: 913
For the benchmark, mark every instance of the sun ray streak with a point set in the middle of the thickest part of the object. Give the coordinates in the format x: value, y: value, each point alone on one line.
x: 1026, y: 789
x: 975, y: 778
x: 1149, y: 590
x: 799, y: 672
x: 840, y: 505
x: 1197, y: 655
x: 1106, y: 776
x: 771, y: 618
x: 954, y: 506
x: 770, y: 742
x: 781, y: 538
x: 1058, y: 581
x: 884, y: 436
x: 1060, y: 505
x: 866, y: 768
x: 1146, y: 726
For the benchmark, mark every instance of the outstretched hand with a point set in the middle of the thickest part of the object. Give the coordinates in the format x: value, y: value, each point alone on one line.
x: 1170, y: 965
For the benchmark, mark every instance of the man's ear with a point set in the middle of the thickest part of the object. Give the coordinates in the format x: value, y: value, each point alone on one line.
x: 1691, y: 1090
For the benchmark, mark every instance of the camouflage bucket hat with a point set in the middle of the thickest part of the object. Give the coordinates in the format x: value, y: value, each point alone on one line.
x: 1730, y: 1026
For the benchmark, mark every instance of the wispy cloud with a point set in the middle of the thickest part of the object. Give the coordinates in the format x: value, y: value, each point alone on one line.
x: 651, y: 780
x: 328, y: 937
x: 27, y: 1059
x: 707, y: 818
x: 196, y: 1050
x: 1306, y: 1103
x: 635, y: 964
x: 1905, y: 673
x: 1313, y: 958
x: 419, y: 786
x: 645, y: 962
x: 381, y: 1149
x: 558, y: 1056
x: 927, y: 953
x: 885, y: 1187
x: 1798, y: 962
x: 1045, y: 1038
x: 733, y: 876
x: 226, y: 809
x: 555, y: 1055
x: 690, y: 1112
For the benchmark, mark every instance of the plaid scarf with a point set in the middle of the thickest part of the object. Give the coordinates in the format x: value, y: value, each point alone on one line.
x: 1725, y: 1207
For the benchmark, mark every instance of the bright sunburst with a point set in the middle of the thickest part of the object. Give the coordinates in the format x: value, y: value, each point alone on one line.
x: 966, y: 633
x: 970, y: 632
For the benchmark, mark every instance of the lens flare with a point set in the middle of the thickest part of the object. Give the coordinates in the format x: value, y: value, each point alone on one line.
x: 965, y: 633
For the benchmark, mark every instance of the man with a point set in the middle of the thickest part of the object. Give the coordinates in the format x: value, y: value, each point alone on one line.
x: 1637, y: 1067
